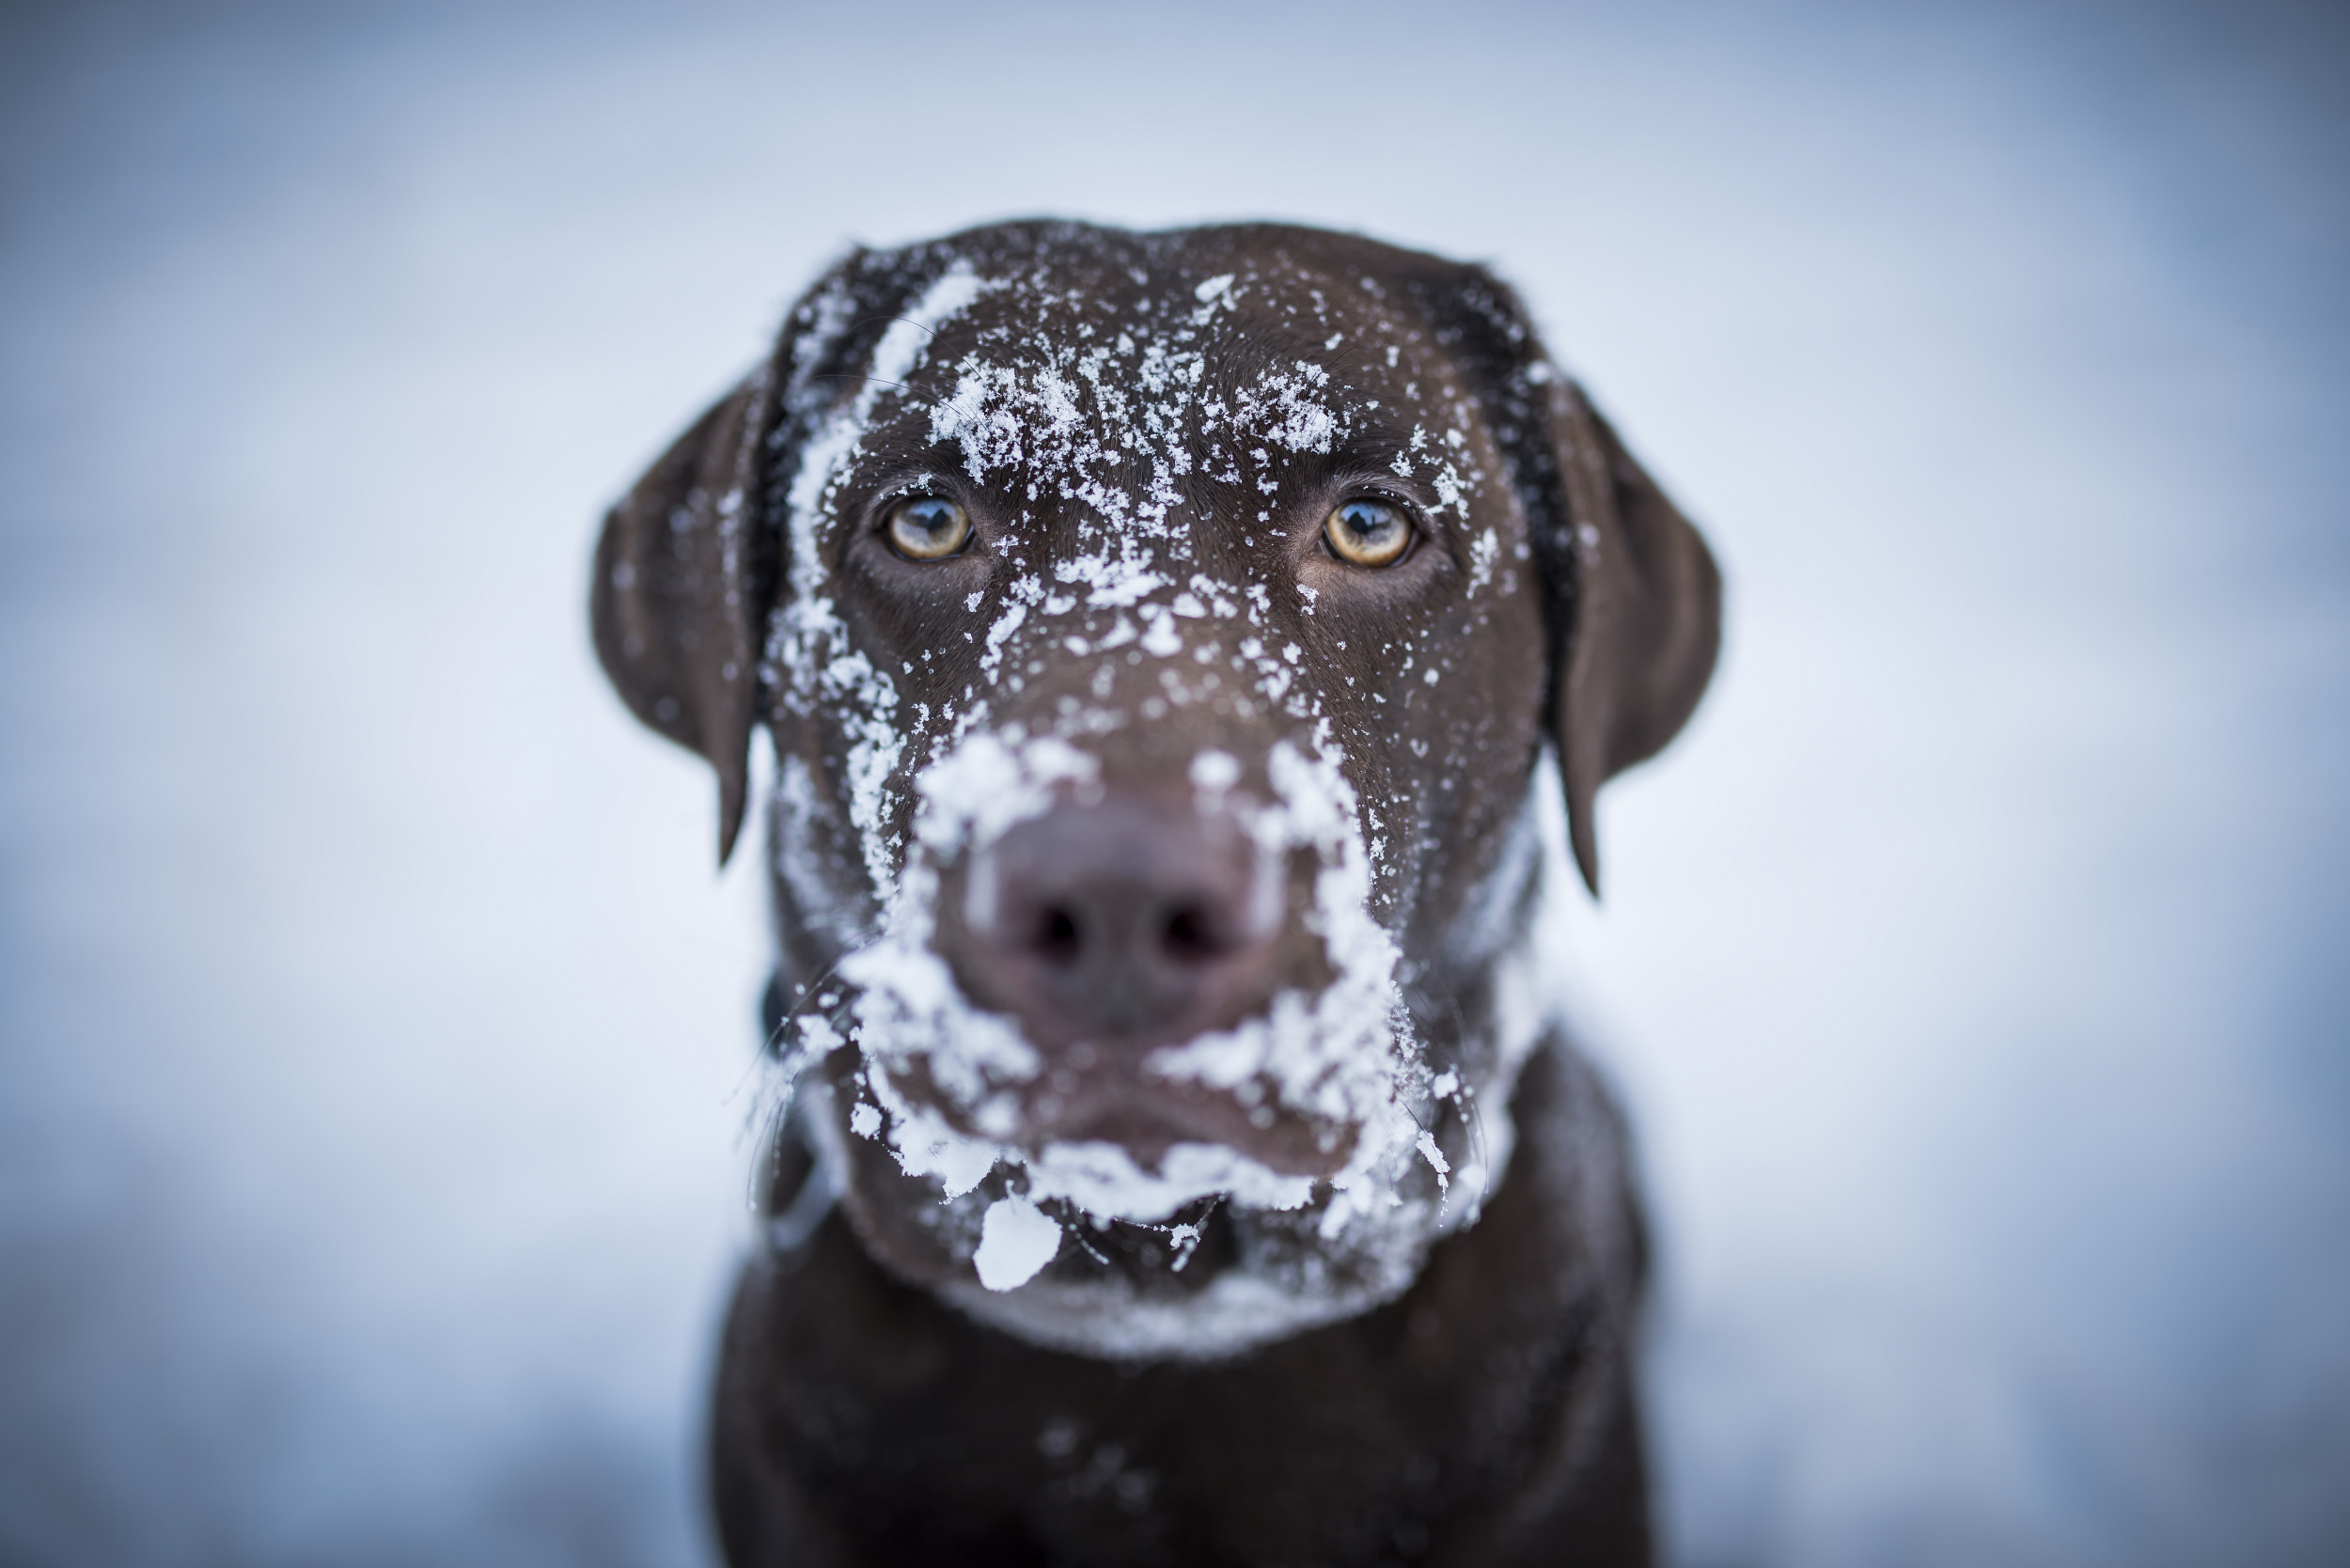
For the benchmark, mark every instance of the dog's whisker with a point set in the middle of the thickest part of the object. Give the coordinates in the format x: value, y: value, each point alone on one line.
x: 771, y: 1135
x: 811, y: 992
x: 850, y: 375
x: 1077, y: 1233
x: 893, y: 321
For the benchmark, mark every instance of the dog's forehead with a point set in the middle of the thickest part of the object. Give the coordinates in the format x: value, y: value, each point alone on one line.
x: 1119, y: 388
x: 1141, y: 351
x: 1179, y: 302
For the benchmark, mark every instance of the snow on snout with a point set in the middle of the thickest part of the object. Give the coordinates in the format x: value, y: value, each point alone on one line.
x: 1213, y: 774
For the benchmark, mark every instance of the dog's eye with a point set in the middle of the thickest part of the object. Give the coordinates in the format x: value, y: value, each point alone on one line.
x: 1368, y: 532
x: 928, y: 527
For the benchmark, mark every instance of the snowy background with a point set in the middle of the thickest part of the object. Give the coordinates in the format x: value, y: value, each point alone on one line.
x: 371, y: 1021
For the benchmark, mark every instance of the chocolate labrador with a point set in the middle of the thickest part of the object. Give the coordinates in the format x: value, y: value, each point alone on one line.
x: 1190, y: 659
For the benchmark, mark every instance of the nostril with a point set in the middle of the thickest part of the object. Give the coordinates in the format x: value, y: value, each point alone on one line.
x: 1129, y: 918
x: 1189, y: 935
x: 1057, y: 936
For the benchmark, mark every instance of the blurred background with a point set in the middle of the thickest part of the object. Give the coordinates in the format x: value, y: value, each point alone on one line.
x: 374, y: 1026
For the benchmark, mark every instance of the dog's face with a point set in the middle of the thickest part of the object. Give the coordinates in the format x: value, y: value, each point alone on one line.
x: 1159, y: 635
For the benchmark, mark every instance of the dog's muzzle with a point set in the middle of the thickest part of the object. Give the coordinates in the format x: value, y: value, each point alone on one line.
x: 1110, y: 928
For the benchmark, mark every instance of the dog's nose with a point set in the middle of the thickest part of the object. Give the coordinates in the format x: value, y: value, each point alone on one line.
x: 1126, y: 921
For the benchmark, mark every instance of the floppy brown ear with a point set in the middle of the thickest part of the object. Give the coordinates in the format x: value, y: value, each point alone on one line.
x: 1642, y: 620
x: 679, y: 600
x: 692, y: 559
x: 1630, y: 595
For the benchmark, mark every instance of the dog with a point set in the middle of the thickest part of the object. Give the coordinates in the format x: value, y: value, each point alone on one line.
x: 1190, y: 660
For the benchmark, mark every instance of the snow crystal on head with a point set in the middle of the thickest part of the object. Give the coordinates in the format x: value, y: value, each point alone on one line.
x: 990, y: 783
x: 1075, y: 408
x: 809, y: 658
x: 910, y: 334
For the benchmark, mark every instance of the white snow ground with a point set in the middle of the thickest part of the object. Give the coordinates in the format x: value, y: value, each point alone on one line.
x: 371, y: 1020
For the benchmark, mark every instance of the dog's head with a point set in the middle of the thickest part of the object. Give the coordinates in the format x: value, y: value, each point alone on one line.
x: 1160, y: 635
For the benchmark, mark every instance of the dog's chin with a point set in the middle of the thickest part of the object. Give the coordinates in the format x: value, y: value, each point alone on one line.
x: 1155, y: 1126
x: 1208, y: 1288
x: 1200, y: 1254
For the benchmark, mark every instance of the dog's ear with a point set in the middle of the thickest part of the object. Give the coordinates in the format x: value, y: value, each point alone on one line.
x: 1630, y: 595
x: 679, y: 597
x: 693, y: 558
x: 1642, y: 620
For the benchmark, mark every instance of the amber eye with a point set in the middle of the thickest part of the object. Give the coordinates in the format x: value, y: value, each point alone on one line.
x: 928, y: 527
x: 1368, y: 532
